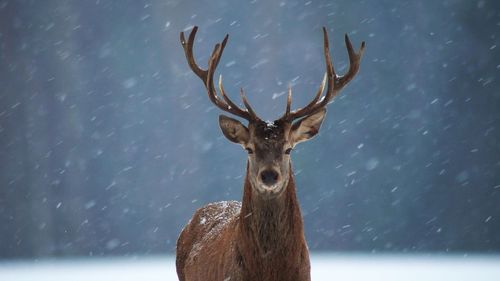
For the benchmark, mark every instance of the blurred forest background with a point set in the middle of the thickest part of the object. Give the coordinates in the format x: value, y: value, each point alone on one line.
x: 108, y: 142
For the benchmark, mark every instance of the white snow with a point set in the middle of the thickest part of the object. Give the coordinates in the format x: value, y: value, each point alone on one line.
x: 371, y: 164
x: 90, y: 204
x: 129, y: 83
x: 324, y: 266
x: 215, y: 216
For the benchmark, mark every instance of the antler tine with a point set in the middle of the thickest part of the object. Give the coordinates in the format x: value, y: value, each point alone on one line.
x: 228, y: 105
x: 299, y: 112
x: 354, y: 61
x: 331, y: 92
x: 326, y: 46
x: 209, y: 82
x: 222, y: 46
x: 207, y: 76
x: 247, y: 104
x: 335, y: 83
x: 232, y: 106
x: 188, y: 50
x: 223, y: 93
x: 288, y: 102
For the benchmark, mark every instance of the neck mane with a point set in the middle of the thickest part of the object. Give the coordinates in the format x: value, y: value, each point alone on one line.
x: 271, y: 233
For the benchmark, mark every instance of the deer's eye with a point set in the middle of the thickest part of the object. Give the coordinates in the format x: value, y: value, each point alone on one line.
x: 249, y: 150
x: 288, y: 151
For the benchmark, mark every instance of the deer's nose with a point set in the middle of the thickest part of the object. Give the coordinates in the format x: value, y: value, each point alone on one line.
x: 269, y: 177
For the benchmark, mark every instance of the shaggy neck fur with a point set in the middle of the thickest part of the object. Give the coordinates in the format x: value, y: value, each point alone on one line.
x: 272, y: 244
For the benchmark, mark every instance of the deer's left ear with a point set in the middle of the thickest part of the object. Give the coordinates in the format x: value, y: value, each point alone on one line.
x: 233, y: 130
x: 307, y: 127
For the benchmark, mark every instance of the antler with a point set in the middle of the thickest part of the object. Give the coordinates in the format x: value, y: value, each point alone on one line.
x: 335, y: 83
x: 207, y: 76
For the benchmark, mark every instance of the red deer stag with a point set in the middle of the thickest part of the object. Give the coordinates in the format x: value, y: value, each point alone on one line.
x: 261, y: 238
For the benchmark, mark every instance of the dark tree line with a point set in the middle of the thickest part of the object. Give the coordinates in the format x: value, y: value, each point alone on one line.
x: 108, y: 143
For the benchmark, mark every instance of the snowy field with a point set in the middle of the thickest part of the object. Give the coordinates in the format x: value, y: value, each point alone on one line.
x: 324, y: 267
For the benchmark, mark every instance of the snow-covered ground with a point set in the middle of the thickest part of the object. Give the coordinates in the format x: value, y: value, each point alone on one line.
x: 324, y: 267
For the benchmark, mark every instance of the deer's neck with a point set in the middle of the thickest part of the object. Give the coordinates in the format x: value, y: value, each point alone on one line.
x: 271, y: 234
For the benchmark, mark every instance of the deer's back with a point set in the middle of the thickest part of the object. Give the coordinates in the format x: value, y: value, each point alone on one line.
x: 202, y: 247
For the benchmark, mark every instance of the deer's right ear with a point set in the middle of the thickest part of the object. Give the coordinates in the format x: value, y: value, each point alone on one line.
x: 234, y: 130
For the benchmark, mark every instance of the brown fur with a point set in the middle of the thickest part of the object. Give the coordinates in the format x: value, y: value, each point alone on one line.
x: 259, y: 239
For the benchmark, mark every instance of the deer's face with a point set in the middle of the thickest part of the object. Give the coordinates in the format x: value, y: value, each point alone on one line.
x: 269, y: 145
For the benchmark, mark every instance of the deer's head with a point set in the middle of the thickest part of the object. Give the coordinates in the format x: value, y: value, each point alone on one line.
x: 269, y: 144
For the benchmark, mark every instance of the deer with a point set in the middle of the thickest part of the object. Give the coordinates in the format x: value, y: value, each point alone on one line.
x: 262, y: 237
